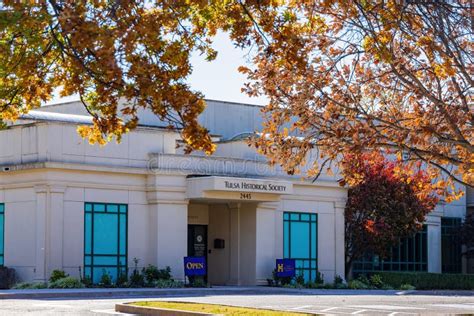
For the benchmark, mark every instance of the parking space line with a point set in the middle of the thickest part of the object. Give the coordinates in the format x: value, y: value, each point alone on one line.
x: 302, y: 307
x: 460, y: 306
x: 355, y: 310
x: 318, y: 312
x: 108, y: 311
x: 387, y: 307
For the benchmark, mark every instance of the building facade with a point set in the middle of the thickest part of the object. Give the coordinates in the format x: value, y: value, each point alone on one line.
x: 86, y: 209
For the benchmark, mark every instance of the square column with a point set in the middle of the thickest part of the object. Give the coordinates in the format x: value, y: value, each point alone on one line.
x: 234, y: 211
x: 56, y: 227
x: 267, y: 221
x: 169, y: 222
x: 40, y: 247
x: 168, y: 208
x: 339, y: 231
x: 434, y: 243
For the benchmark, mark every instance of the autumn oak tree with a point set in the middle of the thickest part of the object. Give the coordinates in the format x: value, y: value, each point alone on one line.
x: 344, y: 76
x: 118, y: 56
x: 351, y: 76
x: 386, y: 201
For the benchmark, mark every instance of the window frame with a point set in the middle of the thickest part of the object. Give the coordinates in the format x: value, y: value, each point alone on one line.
x: 120, y: 267
x: 313, y: 219
x: 398, y: 260
x: 448, y: 224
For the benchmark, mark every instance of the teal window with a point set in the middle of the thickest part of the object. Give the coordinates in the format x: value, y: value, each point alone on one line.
x: 451, y: 248
x: 300, y: 242
x: 411, y: 254
x: 2, y: 234
x: 105, y: 240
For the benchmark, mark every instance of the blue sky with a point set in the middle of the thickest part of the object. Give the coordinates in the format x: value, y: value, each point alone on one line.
x: 218, y: 79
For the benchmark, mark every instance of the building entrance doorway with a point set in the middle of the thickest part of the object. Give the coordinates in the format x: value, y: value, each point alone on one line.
x: 197, y: 244
x: 197, y: 241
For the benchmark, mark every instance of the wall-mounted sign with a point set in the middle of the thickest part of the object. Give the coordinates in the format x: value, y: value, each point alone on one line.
x: 285, y: 268
x: 229, y: 188
x: 264, y: 187
x: 194, y: 266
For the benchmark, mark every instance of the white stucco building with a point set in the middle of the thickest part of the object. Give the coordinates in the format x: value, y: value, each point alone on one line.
x: 65, y: 204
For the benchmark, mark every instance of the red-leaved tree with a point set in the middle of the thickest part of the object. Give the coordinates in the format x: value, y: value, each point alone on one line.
x: 386, y: 201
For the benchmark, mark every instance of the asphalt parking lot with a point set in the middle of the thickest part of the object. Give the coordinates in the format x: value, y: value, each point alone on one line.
x: 314, y: 303
x: 351, y: 305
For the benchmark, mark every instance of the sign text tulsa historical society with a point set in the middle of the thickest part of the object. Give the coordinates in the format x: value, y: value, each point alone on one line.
x: 265, y: 187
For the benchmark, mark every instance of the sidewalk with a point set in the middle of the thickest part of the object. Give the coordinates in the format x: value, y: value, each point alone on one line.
x: 149, y: 292
x: 218, y: 290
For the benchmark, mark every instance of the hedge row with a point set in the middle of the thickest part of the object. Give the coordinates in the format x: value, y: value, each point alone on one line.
x: 429, y: 281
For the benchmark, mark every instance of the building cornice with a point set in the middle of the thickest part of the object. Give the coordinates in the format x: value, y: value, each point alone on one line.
x: 57, y: 165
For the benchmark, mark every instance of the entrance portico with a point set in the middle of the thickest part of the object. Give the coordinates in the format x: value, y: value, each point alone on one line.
x: 240, y: 217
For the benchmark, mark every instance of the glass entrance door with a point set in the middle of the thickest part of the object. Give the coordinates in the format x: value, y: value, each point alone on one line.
x: 197, y: 241
x: 197, y: 246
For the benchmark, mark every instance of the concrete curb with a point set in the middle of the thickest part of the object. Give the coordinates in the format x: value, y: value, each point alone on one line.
x: 154, y: 311
x: 150, y: 292
x: 104, y: 293
x: 141, y: 292
x: 441, y: 292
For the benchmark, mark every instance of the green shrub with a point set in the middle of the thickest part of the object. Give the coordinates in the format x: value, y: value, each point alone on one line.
x: 313, y: 285
x: 338, y: 279
x: 363, y: 278
x: 339, y: 283
x: 340, y: 286
x: 319, y: 278
x: 167, y: 284
x: 299, y: 279
x: 164, y: 274
x: 429, y: 281
x: 66, y: 283
x: 407, y: 287
x: 136, y: 279
x: 280, y: 281
x: 56, y: 275
x: 87, y: 281
x: 151, y: 274
x: 376, y: 281
x: 122, y: 279
x: 30, y: 285
x: 105, y: 280
x: 357, y: 285
x: 198, y: 282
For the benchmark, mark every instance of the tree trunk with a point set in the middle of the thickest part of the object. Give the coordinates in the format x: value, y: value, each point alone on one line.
x: 349, y: 269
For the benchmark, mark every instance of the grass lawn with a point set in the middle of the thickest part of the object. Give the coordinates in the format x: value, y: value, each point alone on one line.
x: 215, y: 309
